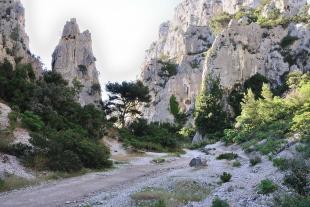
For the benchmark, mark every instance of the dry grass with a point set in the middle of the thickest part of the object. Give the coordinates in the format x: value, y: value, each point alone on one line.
x: 13, y: 182
x: 181, y: 193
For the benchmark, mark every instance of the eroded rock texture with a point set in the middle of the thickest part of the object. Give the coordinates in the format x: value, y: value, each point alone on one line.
x: 73, y: 58
x: 239, y: 51
x: 14, y: 42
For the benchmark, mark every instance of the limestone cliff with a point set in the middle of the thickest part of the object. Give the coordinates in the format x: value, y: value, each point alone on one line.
x: 182, y: 43
x: 245, y: 48
x: 73, y: 58
x: 14, y: 42
x: 237, y: 52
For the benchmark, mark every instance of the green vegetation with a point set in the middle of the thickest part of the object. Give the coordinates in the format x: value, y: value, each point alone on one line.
x: 292, y: 201
x: 124, y: 100
x: 288, y: 40
x: 281, y: 163
x: 219, y: 203
x: 12, y: 182
x: 236, y: 164
x: 65, y: 136
x: 227, y: 156
x: 267, y: 187
x: 179, y: 117
x: 179, y: 194
x: 225, y: 177
x: 297, y: 177
x: 152, y: 137
x: 32, y: 121
x: 210, y: 117
x: 219, y: 22
x: 275, y: 18
x: 168, y: 68
x: 254, y: 83
x: 159, y: 160
x: 255, y: 160
x: 266, y: 120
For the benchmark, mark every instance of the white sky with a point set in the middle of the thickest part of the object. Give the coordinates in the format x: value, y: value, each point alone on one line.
x: 121, y: 30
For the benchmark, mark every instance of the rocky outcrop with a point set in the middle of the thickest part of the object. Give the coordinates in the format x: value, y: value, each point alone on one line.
x: 183, y: 42
x: 237, y: 53
x: 73, y: 58
x: 14, y: 42
x: 244, y: 49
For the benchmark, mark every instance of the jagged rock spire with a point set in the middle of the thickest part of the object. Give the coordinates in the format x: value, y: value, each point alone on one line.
x: 73, y: 58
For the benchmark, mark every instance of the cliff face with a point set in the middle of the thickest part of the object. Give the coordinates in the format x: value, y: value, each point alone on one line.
x: 14, y: 42
x: 182, y: 42
x: 239, y: 51
x: 73, y: 58
x: 244, y: 48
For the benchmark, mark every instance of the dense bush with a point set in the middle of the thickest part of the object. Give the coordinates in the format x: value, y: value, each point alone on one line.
x: 32, y: 121
x: 297, y: 178
x: 64, y: 134
x: 281, y: 163
x: 153, y: 136
x: 219, y: 203
x: 225, y: 177
x: 292, y: 201
x: 227, y: 156
x: 168, y: 68
x: 271, y: 118
x: 254, y: 83
x: 255, y: 160
x: 266, y: 187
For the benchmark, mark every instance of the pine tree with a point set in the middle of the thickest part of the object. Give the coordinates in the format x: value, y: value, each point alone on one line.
x: 209, y: 114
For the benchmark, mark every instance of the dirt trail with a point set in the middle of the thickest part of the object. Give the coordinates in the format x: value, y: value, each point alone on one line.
x: 65, y: 192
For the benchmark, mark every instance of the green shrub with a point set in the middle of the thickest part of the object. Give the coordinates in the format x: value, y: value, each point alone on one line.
x: 187, y: 132
x: 13, y: 116
x: 267, y: 187
x: 32, y: 121
x: 271, y: 145
x: 168, y: 68
x: 219, y: 22
x: 65, y: 135
x: 153, y: 136
x: 291, y: 201
x: 227, y: 156
x: 179, y: 117
x: 219, y: 203
x: 1, y: 183
x: 225, y: 177
x: 236, y: 164
x: 297, y: 178
x: 255, y: 160
x: 67, y: 161
x: 281, y: 163
x: 288, y: 40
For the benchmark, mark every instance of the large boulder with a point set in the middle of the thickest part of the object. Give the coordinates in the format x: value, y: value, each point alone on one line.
x: 198, y: 162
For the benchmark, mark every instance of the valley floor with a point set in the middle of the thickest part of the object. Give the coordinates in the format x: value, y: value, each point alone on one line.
x: 115, y: 188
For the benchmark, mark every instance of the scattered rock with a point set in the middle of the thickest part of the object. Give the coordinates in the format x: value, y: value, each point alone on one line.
x: 198, y: 162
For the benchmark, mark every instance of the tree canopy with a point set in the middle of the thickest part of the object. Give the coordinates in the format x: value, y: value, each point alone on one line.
x: 125, y: 99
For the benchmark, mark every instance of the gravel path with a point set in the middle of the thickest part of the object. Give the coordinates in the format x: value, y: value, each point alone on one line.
x: 68, y: 191
x: 241, y: 191
x: 114, y: 188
